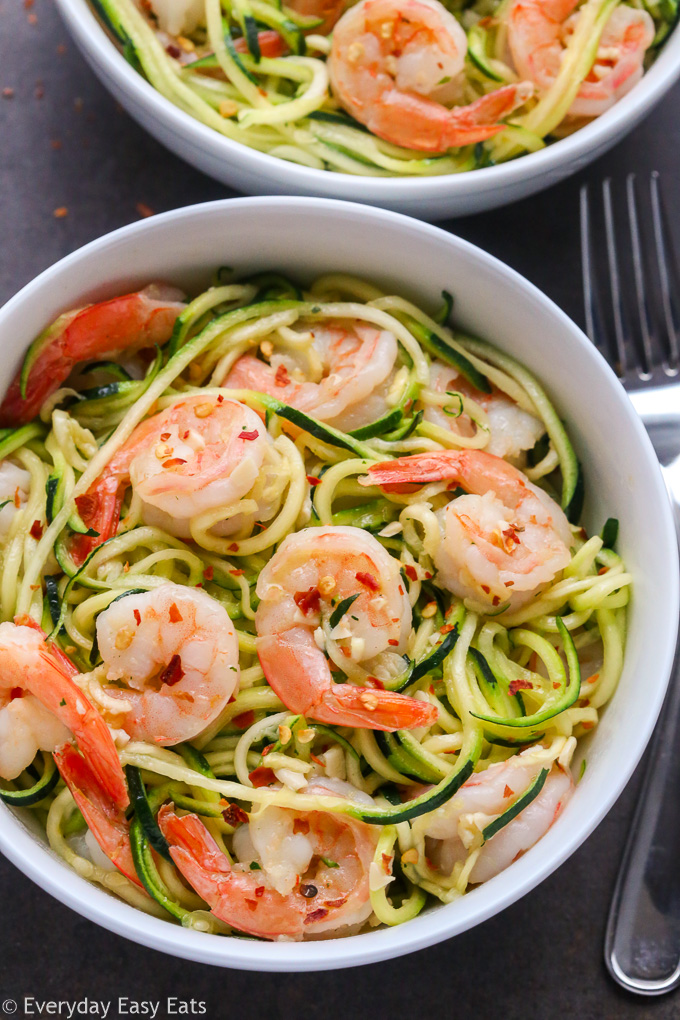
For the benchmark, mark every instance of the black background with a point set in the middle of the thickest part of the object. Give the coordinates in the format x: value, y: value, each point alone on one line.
x: 65, y: 143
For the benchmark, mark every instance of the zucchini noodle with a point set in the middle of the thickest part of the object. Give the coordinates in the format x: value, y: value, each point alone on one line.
x: 512, y: 683
x: 262, y: 74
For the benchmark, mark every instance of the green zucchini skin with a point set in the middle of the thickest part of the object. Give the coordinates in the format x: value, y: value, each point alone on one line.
x: 45, y: 785
x: 438, y: 348
x: 499, y: 823
x: 148, y: 873
x: 144, y: 814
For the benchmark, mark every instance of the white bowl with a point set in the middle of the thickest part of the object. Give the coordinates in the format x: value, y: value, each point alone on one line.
x: 306, y: 237
x: 257, y: 173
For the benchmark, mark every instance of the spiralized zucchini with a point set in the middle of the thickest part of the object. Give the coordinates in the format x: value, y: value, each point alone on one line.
x: 221, y: 72
x: 527, y: 681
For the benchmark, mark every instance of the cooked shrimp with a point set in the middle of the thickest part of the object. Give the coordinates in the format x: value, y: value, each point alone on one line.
x: 457, y: 825
x: 394, y: 64
x: 126, y: 323
x: 105, y: 820
x: 178, y: 17
x: 307, y: 577
x: 501, y: 544
x: 171, y: 660
x: 537, y: 30
x: 512, y: 430
x: 15, y: 484
x: 201, y: 454
x: 314, y: 869
x: 355, y: 365
x: 41, y: 706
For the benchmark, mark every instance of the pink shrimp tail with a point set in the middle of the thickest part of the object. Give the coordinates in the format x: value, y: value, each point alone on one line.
x: 235, y: 897
x: 420, y: 468
x: 422, y: 124
x: 298, y: 672
x: 130, y: 322
x: 106, y: 822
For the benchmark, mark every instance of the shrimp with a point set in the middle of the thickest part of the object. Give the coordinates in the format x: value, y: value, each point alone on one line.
x: 536, y: 38
x: 393, y: 66
x: 307, y: 577
x: 201, y: 454
x: 15, y: 484
x: 356, y: 362
x: 456, y: 827
x: 170, y: 656
x: 512, y: 430
x: 105, y: 820
x: 126, y: 323
x: 41, y: 706
x: 313, y: 877
x: 501, y: 544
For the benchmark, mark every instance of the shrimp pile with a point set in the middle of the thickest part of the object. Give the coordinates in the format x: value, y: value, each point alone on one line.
x: 300, y: 629
x: 393, y: 88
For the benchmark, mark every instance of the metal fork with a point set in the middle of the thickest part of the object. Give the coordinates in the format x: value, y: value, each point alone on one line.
x: 632, y: 317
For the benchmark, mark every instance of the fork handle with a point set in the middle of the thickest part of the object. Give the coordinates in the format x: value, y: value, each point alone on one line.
x: 642, y: 947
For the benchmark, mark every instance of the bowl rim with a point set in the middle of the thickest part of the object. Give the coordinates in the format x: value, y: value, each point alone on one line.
x: 53, y: 875
x: 94, y: 38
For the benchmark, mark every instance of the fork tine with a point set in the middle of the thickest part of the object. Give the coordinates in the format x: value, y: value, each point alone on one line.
x: 661, y: 230
x: 595, y: 327
x: 639, y: 277
x: 614, y: 278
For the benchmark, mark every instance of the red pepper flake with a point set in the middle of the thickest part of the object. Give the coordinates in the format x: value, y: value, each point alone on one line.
x: 138, y: 616
x: 244, y: 720
x: 268, y: 747
x: 585, y: 702
x: 300, y: 825
x: 316, y: 915
x: 602, y: 570
x: 372, y: 681
x: 16, y: 692
x: 233, y: 547
x: 173, y: 462
x: 209, y: 573
x: 495, y: 600
x: 507, y: 792
x: 368, y: 580
x: 387, y: 863
x: 249, y: 435
x: 237, y: 572
x: 313, y: 480
x: 173, y: 672
x: 431, y: 689
x: 393, y: 641
x: 261, y: 776
x: 411, y: 572
x: 308, y: 601
x: 36, y: 531
x: 259, y: 892
x: 252, y: 904
x: 556, y: 685
x: 336, y: 903
x: 519, y: 685
x: 143, y: 209
x: 220, y: 398
x: 508, y: 584
x: 174, y: 614
x: 317, y: 761
x: 587, y: 725
x: 173, y: 51
x: 234, y: 815
x: 447, y: 628
x: 281, y: 378
x: 428, y: 575
x: 485, y: 588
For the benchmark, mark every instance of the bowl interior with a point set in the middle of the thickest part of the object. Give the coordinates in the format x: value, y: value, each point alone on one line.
x: 259, y: 173
x: 304, y: 238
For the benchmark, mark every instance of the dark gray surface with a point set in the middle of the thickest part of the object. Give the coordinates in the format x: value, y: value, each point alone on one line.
x: 540, y: 958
